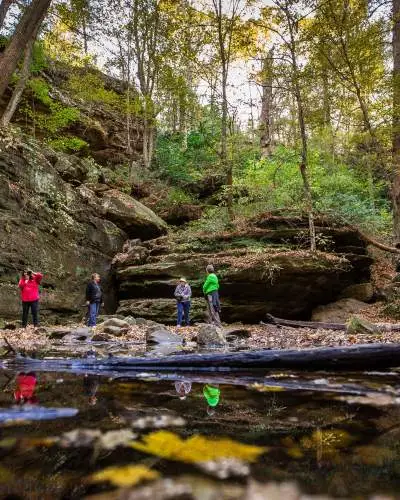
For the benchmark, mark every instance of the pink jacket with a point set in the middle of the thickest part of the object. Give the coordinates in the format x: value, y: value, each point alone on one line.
x: 30, y: 288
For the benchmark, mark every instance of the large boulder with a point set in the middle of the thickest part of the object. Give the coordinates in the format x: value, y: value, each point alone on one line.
x: 255, y: 277
x: 339, y: 311
x: 160, y: 310
x: 131, y: 215
x: 210, y: 335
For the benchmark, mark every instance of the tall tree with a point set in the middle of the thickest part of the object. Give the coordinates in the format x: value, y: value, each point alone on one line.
x: 396, y: 120
x: 228, y: 25
x: 266, y: 117
x: 284, y: 20
x: 23, y: 33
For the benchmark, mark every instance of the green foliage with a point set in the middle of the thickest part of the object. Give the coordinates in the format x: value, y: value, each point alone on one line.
x: 90, y: 88
x: 177, y: 196
x: 57, y: 118
x: 337, y: 190
x: 39, y: 59
x: 40, y: 90
x: 68, y: 144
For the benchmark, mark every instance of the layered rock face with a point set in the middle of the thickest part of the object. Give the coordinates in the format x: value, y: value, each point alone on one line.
x: 54, y: 221
x: 262, y: 270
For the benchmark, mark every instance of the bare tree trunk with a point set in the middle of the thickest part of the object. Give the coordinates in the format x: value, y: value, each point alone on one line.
x: 266, y: 106
x: 20, y: 86
x: 4, y: 6
x: 148, y: 143
x: 85, y: 36
x: 396, y: 121
x: 23, y: 33
x: 302, y: 127
x: 24, y: 77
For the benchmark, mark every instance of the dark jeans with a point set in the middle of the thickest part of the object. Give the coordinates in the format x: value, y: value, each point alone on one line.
x: 183, y: 311
x: 93, y: 312
x: 34, y: 307
x: 213, y: 308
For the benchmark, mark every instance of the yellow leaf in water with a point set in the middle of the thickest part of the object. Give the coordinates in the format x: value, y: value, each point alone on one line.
x: 295, y: 452
x: 196, y: 448
x: 129, y: 475
x: 5, y: 475
x: 267, y: 388
x: 8, y: 442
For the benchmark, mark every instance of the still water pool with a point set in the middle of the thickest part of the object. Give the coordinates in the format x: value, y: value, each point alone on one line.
x: 168, y: 436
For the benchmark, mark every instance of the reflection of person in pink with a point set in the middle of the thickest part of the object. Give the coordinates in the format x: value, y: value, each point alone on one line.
x: 25, y: 391
x: 29, y: 286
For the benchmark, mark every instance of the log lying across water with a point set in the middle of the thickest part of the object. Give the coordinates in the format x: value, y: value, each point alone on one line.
x: 315, y: 325
x: 357, y: 357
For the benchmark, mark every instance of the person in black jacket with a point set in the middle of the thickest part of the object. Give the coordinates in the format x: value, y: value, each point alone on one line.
x: 94, y: 297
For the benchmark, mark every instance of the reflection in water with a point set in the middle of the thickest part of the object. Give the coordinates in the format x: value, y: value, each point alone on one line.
x: 183, y: 388
x: 25, y: 388
x: 91, y: 385
x: 212, y: 394
x: 327, y: 446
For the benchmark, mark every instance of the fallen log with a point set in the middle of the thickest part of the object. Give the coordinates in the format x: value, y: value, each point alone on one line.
x: 315, y: 325
x: 303, y: 324
x: 357, y: 357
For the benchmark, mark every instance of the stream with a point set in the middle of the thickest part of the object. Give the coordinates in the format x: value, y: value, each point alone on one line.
x: 70, y: 434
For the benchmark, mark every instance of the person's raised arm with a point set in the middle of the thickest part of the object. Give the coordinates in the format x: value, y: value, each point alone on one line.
x: 38, y: 277
x: 21, y: 283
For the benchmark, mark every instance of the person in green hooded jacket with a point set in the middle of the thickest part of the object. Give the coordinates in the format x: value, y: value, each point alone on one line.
x: 210, y: 290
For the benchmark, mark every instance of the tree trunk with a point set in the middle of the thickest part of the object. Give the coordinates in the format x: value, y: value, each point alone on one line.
x: 396, y: 121
x: 23, y: 33
x: 303, y: 136
x: 316, y: 325
x: 354, y: 358
x: 24, y: 76
x: 226, y: 165
x: 148, y: 143
x: 20, y: 86
x: 4, y: 6
x: 266, y: 106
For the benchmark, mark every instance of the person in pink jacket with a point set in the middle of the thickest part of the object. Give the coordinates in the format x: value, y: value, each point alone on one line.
x: 29, y: 286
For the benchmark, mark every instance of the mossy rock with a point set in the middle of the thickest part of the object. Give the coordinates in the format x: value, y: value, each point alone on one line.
x: 358, y: 325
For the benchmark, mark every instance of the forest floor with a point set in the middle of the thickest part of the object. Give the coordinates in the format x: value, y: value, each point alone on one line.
x: 261, y: 336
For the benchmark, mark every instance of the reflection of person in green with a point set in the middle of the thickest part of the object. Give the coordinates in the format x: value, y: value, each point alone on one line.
x: 212, y: 394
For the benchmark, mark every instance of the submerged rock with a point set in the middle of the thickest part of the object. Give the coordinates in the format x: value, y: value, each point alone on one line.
x: 162, y: 336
